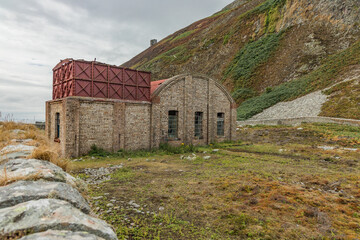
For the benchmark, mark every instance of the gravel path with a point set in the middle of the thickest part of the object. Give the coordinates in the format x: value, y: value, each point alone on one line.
x: 306, y: 106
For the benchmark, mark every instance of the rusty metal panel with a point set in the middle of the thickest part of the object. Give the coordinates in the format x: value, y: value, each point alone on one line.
x: 115, y: 91
x: 94, y: 79
x: 68, y: 72
x: 130, y: 77
x: 82, y: 88
x: 83, y: 70
x: 143, y: 79
x: 63, y: 90
x: 129, y: 92
x: 100, y: 90
x: 57, y: 91
x: 100, y: 72
x: 115, y: 74
x: 70, y: 88
x: 143, y: 94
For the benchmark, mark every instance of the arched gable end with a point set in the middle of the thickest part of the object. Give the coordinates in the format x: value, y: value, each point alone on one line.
x: 181, y: 77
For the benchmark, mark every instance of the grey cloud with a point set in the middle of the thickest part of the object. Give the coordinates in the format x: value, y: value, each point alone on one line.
x: 36, y: 34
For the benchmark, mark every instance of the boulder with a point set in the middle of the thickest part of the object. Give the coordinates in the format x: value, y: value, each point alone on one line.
x: 15, y: 151
x: 24, y: 191
x: 61, y: 235
x: 29, y: 168
x: 45, y: 214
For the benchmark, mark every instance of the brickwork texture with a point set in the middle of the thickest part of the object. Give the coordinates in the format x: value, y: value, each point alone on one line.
x: 118, y: 124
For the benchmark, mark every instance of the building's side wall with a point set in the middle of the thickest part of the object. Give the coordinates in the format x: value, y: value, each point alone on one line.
x: 188, y: 95
x: 53, y: 107
x: 111, y: 125
x: 219, y: 103
x: 96, y: 125
x: 196, y: 101
x: 173, y: 99
x: 72, y: 121
x: 137, y: 126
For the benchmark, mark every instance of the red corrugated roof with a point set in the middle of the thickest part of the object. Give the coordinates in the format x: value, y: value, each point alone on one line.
x: 155, y: 85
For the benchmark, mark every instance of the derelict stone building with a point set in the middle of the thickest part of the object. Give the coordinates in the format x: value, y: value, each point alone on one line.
x: 117, y: 108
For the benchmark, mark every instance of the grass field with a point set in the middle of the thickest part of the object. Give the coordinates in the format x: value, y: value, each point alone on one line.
x: 274, y: 183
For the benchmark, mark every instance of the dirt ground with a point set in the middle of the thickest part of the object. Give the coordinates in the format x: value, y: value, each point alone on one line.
x: 275, y: 183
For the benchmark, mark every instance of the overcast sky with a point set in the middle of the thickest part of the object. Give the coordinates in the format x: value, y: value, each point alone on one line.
x: 36, y: 34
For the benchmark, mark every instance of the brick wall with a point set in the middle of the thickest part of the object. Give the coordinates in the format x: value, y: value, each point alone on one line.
x: 118, y: 124
x: 52, y: 108
x: 188, y: 94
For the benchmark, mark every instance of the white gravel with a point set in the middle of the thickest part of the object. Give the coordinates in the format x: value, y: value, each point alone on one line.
x: 306, y: 106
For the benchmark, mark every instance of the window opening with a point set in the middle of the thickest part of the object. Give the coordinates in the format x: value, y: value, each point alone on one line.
x: 57, y: 125
x: 198, y: 124
x: 173, y: 125
x: 220, y: 124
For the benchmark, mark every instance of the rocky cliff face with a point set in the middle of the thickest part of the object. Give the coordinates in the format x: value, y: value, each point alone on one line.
x: 254, y: 46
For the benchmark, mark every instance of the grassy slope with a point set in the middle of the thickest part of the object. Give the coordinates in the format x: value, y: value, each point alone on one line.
x: 320, y: 78
x: 252, y: 189
x: 245, y: 49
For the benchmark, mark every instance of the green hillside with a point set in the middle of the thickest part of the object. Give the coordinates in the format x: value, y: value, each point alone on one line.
x: 267, y: 51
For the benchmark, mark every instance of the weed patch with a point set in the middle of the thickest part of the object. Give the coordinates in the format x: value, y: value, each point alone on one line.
x: 122, y: 174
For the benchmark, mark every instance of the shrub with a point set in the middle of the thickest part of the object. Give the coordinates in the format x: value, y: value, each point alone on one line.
x: 242, y: 94
x: 98, y: 152
x: 169, y: 149
x: 280, y: 93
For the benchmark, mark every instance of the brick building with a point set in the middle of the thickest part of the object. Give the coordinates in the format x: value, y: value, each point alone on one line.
x: 189, y: 109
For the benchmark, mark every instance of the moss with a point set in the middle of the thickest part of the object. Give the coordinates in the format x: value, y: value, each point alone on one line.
x: 251, y: 56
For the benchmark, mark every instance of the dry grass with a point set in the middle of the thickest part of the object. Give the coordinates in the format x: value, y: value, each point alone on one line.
x: 51, y: 154
x: 45, y: 149
x: 278, y: 186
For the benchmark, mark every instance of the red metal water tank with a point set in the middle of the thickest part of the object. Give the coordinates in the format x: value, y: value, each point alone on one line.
x: 99, y: 80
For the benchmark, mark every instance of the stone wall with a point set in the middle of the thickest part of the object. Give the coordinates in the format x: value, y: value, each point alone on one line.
x: 41, y: 201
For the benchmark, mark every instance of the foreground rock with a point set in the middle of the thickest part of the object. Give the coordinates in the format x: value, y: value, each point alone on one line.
x: 24, y: 191
x: 61, y: 235
x: 32, y: 169
x: 45, y: 214
x: 15, y: 151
